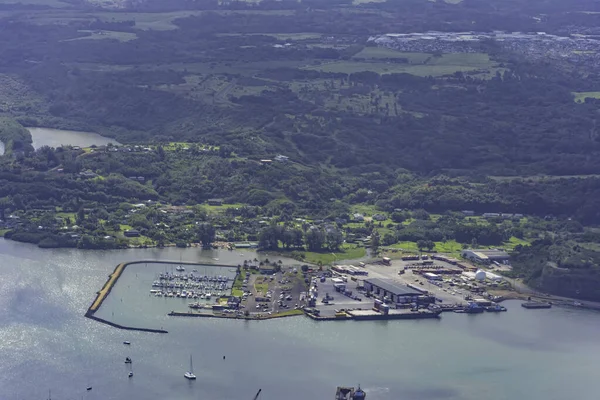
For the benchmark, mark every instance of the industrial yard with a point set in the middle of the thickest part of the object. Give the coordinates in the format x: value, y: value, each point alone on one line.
x: 412, y: 287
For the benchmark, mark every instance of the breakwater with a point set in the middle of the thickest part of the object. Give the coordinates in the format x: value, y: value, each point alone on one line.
x: 103, y: 293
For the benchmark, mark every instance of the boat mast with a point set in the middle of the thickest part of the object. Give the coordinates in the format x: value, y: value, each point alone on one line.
x: 191, y: 365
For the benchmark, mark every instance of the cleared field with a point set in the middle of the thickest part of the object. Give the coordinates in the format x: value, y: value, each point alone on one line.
x: 514, y: 242
x: 347, y: 252
x: 446, y: 64
x: 349, y: 67
x: 49, y: 3
x: 384, y: 52
x: 148, y: 21
x: 279, y: 36
x: 357, y: 2
x: 581, y: 96
x: 543, y: 177
x: 98, y: 35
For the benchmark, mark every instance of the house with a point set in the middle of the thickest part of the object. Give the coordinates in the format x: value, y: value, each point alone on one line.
x: 358, y: 217
x: 281, y: 158
x: 468, y: 213
x: 215, y: 202
x: 491, y: 215
x: 132, y: 233
x: 379, y: 217
x: 266, y: 161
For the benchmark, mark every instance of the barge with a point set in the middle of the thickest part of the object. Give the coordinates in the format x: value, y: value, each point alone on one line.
x: 535, y: 305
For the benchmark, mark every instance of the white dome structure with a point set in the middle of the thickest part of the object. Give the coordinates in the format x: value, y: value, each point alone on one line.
x: 480, y: 275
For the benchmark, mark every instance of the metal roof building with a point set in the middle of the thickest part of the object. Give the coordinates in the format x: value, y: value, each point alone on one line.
x: 485, y: 255
x: 396, y: 292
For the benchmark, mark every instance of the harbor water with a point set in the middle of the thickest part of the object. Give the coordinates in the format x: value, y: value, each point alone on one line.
x: 46, y: 343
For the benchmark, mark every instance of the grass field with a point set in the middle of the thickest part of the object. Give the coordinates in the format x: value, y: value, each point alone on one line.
x: 581, y: 96
x: 543, y: 177
x: 120, y: 36
x: 384, y: 52
x: 450, y: 246
x: 513, y: 242
x: 221, y: 209
x: 349, y: 252
x: 429, y: 65
x: 148, y: 21
x: 358, y: 2
x: 49, y: 3
x: 408, y: 246
x: 279, y: 36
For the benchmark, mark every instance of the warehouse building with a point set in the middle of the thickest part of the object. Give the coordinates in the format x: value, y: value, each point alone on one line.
x: 486, y: 256
x: 395, y: 292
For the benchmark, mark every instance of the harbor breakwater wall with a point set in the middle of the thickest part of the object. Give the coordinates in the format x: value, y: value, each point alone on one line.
x: 103, y: 293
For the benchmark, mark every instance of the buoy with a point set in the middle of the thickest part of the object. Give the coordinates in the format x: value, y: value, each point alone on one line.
x: 223, y: 357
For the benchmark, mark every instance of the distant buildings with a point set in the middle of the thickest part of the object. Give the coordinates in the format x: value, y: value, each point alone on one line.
x: 282, y: 159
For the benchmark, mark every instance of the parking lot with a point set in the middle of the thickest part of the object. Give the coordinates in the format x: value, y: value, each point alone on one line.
x: 340, y: 301
x: 274, y: 293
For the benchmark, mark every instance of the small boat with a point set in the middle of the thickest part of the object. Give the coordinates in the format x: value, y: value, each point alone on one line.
x: 190, y: 374
x: 89, y: 388
x: 126, y: 342
x: 130, y: 374
x: 127, y: 360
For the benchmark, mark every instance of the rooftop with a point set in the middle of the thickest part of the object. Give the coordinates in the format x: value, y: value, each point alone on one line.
x: 490, y: 253
x: 393, y: 287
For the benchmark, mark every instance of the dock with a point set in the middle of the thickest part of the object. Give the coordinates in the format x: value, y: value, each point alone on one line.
x: 372, y: 315
x: 535, y: 305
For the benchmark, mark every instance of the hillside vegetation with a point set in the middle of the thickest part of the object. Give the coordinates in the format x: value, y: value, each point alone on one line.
x: 212, y: 88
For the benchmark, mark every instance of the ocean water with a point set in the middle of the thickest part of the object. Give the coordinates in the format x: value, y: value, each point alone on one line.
x: 47, y: 344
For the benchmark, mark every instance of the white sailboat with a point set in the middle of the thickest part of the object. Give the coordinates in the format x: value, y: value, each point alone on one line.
x: 190, y: 374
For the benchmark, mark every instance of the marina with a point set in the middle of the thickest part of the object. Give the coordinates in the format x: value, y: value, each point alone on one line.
x: 45, y: 335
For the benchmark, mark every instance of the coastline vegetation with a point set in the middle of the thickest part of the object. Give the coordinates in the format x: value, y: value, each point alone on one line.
x: 417, y: 136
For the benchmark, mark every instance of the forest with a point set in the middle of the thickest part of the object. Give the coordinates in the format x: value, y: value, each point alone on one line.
x: 482, y: 127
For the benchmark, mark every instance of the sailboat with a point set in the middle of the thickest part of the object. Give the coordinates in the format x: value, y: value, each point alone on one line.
x: 190, y: 374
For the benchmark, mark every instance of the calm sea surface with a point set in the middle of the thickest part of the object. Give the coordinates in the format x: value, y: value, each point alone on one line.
x: 46, y: 343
